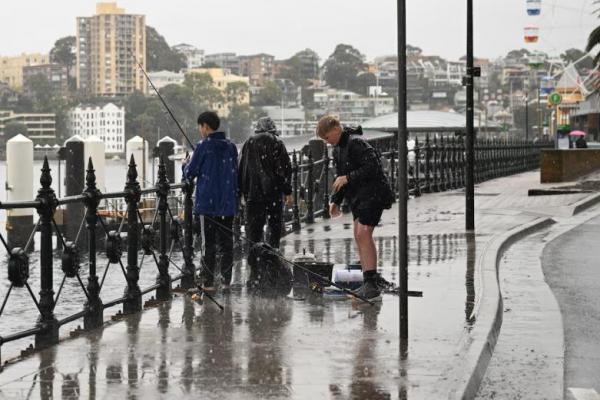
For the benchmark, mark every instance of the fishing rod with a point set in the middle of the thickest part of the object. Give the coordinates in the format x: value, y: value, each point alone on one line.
x: 162, y: 100
x: 295, y: 265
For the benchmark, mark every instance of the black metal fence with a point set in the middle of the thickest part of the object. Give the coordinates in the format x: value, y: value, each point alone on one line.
x: 436, y: 163
x: 122, y: 251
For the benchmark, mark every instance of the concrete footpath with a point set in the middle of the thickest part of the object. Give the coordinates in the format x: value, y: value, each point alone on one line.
x: 309, y: 347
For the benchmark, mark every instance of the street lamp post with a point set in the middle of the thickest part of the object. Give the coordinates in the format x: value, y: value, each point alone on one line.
x: 402, y: 178
x: 470, y: 132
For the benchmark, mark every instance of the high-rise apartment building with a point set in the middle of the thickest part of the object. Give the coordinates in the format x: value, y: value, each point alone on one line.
x: 110, y: 45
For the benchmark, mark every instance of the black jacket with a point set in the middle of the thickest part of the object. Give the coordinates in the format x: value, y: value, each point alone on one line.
x: 265, y: 171
x: 367, y: 185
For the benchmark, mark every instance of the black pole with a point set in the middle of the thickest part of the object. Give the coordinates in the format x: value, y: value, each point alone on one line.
x: 402, y: 177
x: 470, y: 135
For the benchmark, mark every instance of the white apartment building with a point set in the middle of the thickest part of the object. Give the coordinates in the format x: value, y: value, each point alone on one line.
x: 106, y: 122
x: 194, y: 57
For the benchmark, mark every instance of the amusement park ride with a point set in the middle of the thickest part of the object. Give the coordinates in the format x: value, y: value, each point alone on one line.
x: 560, y: 86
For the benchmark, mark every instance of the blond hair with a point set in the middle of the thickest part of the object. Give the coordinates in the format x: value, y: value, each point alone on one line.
x: 326, y: 124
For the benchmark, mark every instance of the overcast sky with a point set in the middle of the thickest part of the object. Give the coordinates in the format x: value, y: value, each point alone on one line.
x: 282, y: 27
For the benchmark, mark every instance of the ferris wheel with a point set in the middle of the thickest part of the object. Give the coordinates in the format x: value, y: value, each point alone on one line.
x: 549, y: 19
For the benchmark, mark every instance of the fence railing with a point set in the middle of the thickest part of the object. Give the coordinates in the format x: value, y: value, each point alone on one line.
x: 436, y: 163
x: 159, y: 238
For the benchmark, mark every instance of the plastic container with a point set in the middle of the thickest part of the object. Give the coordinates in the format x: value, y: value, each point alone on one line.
x: 308, y: 261
x: 348, y: 278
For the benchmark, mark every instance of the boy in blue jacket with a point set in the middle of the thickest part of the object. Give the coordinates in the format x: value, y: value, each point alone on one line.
x: 214, y: 166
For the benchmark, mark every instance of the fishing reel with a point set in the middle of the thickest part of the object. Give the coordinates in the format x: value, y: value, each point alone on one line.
x: 18, y: 267
x: 70, y: 260
x: 114, y: 246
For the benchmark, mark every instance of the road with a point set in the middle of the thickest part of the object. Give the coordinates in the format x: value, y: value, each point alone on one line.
x: 572, y: 269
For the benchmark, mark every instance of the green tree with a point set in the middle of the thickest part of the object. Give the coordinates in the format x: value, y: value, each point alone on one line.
x: 202, y: 89
x: 342, y: 66
x: 159, y: 55
x: 15, y: 128
x: 269, y: 95
x: 301, y: 67
x: 579, y: 56
x: 239, y: 122
x: 236, y: 91
x: 63, y: 53
x: 41, y: 92
x: 10, y: 130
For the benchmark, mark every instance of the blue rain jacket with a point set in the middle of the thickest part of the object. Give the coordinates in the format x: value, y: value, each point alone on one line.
x: 214, y: 165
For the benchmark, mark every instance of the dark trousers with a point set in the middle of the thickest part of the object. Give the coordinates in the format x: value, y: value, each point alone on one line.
x: 217, y: 235
x: 257, y: 214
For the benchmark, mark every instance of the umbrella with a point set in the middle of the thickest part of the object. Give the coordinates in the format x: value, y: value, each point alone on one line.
x: 577, y: 133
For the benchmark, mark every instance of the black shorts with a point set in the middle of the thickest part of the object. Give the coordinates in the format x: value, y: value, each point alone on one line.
x: 368, y: 216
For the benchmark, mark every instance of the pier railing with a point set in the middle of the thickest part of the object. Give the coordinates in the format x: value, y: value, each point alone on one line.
x: 166, y: 234
x: 436, y: 163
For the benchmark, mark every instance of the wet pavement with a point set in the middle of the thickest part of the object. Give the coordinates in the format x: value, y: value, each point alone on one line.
x: 571, y: 267
x: 302, y: 346
x: 530, y: 344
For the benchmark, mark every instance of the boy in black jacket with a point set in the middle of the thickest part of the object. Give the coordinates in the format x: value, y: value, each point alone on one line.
x: 361, y: 180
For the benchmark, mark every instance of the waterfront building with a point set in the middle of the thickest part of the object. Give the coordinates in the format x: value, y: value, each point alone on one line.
x: 106, y: 122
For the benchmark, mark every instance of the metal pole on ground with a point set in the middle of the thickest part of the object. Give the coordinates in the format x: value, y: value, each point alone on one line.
x: 402, y: 177
x: 470, y: 134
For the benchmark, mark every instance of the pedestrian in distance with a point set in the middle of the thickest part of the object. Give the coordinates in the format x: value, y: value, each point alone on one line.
x: 360, y: 180
x: 265, y: 174
x: 580, y: 143
x: 214, y: 166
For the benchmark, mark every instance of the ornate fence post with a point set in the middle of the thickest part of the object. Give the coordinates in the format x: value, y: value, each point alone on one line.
x: 427, y: 164
x: 133, y: 294
x: 436, y: 168
x: 417, y: 167
x: 188, y: 280
x: 326, y: 183
x: 94, y: 310
x: 295, y: 210
x: 48, y: 203
x: 310, y: 215
x: 452, y: 162
x: 163, y: 291
x: 443, y: 165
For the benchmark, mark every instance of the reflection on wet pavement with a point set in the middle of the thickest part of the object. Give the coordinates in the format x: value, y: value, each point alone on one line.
x: 261, y: 348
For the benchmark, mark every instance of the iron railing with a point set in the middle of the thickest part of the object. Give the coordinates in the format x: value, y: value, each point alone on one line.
x: 157, y: 239
x: 436, y: 163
